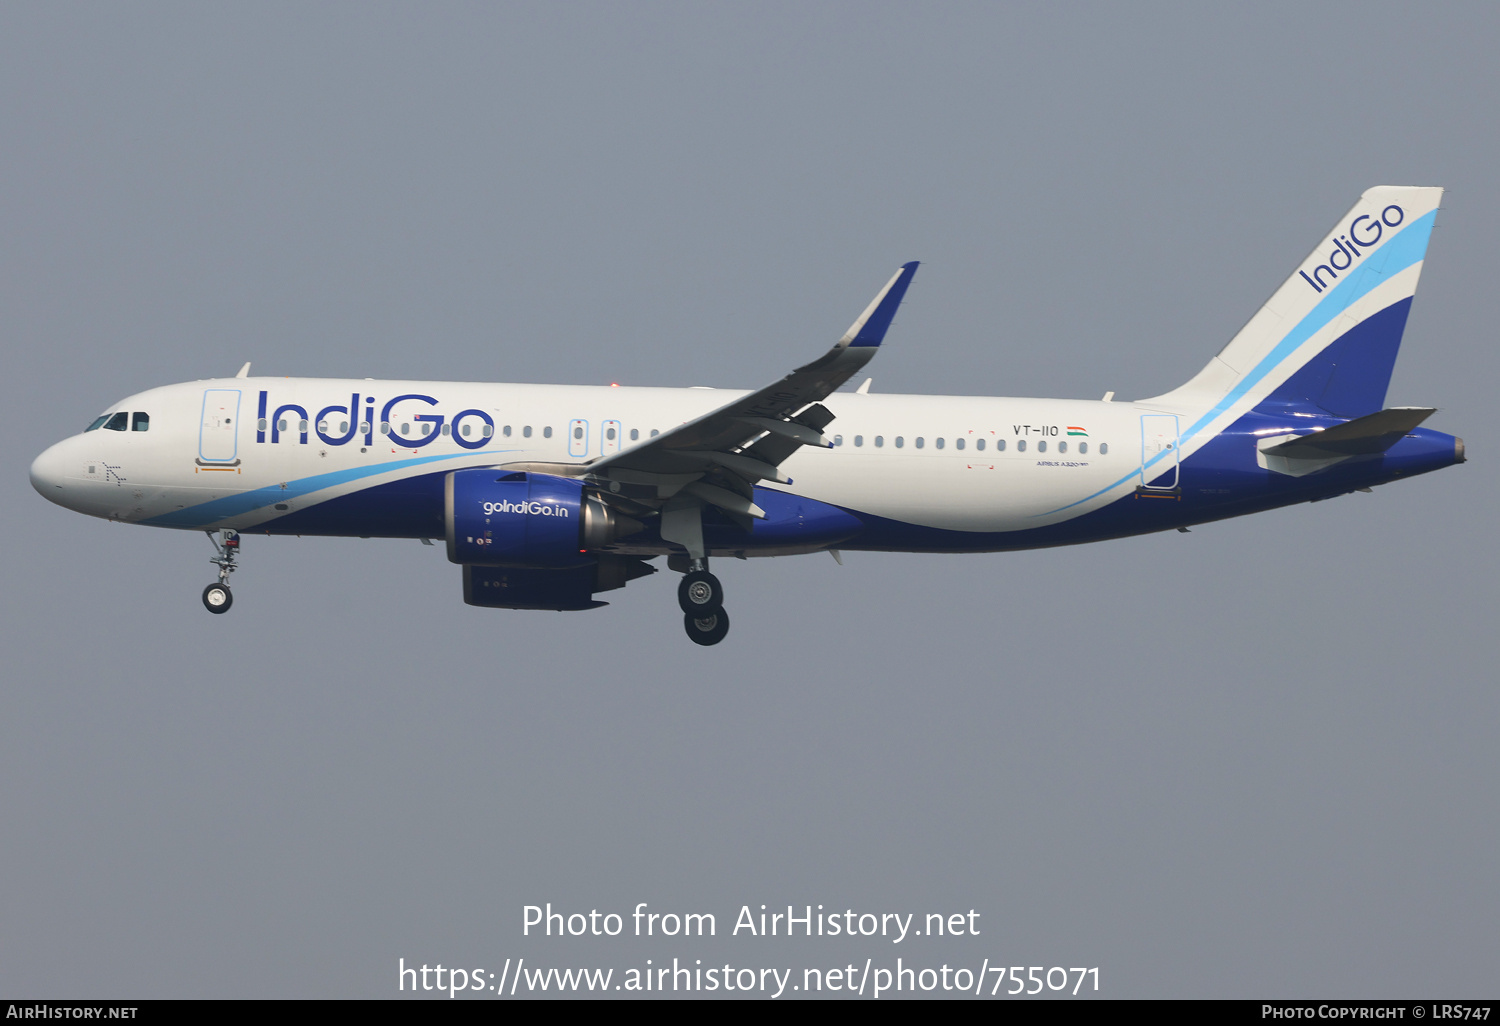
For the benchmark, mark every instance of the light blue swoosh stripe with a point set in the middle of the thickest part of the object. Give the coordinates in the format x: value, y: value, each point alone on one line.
x: 245, y: 502
x: 1405, y: 248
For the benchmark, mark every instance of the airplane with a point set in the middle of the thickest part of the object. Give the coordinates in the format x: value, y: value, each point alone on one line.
x: 549, y: 495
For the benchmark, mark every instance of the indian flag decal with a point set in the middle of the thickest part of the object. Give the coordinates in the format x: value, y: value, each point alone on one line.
x: 1077, y: 431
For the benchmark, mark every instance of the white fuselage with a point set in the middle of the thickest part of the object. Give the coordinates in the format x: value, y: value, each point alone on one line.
x: 959, y: 463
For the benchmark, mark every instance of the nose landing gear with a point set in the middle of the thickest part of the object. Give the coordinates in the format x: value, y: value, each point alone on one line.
x: 701, y: 597
x: 217, y: 598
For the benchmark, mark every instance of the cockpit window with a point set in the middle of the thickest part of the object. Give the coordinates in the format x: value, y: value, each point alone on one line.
x: 119, y: 422
x: 140, y: 422
x: 96, y: 425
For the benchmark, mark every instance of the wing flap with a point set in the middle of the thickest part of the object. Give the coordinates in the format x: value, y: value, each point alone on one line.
x: 775, y: 448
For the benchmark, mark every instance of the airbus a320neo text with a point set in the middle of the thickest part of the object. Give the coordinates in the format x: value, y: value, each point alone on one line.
x: 547, y: 496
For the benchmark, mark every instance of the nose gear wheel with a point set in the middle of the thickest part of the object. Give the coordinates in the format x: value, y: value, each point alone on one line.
x: 217, y: 598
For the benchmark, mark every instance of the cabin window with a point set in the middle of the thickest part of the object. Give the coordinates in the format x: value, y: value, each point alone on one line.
x: 117, y: 422
x: 1021, y: 445
x: 323, y: 426
x: 900, y: 442
x: 487, y: 430
x: 879, y: 441
x: 938, y: 442
x: 447, y: 430
x: 1103, y: 448
x: 838, y: 440
x: 958, y: 443
x: 141, y: 422
x: 546, y: 432
x: 635, y: 433
x: 919, y: 441
x: 578, y: 432
x: 343, y: 427
x: 859, y: 440
x: 365, y: 428
x: 99, y: 423
x: 281, y: 425
x: 301, y: 426
x: 610, y: 434
x: 526, y: 431
x: 654, y: 432
x: 465, y: 430
x: 1083, y: 448
x: 1041, y: 446
x: 385, y: 427
x: 979, y: 444
x: 1062, y: 446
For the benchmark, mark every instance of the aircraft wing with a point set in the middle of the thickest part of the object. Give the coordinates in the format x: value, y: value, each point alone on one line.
x: 721, y: 455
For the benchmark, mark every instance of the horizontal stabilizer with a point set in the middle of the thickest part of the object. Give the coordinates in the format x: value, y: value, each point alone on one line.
x: 1362, y: 437
x: 1370, y: 435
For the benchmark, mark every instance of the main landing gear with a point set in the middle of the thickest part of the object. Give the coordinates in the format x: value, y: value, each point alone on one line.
x: 217, y: 597
x: 701, y: 597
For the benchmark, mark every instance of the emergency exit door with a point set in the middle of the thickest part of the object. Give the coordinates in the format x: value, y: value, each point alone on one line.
x: 578, y: 438
x: 610, y: 440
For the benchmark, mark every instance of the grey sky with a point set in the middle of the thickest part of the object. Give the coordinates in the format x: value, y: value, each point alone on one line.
x: 1255, y: 759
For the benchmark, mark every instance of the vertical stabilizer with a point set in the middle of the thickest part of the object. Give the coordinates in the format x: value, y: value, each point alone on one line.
x: 1326, y: 341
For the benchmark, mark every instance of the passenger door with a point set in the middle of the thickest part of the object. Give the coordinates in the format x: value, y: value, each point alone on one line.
x: 218, y: 436
x: 1159, y: 451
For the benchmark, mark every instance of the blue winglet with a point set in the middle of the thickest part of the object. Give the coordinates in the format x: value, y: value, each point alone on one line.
x: 871, y: 327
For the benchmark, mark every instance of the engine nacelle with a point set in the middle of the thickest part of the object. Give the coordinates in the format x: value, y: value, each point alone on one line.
x: 525, y: 520
x: 509, y: 587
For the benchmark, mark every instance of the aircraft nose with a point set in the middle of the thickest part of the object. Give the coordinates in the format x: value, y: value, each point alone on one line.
x: 47, y: 473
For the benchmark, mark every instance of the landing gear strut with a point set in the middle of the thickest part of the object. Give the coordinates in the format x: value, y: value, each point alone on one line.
x: 701, y: 597
x: 217, y: 598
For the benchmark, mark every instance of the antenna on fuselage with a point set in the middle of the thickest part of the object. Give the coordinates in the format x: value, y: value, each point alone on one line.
x: 244, y: 371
